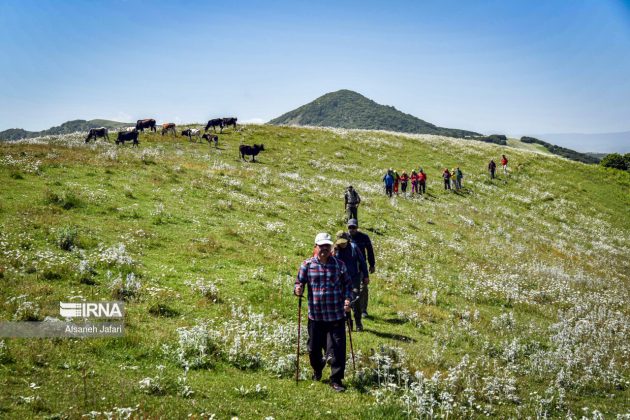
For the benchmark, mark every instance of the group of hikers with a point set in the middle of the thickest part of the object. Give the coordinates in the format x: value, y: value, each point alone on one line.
x: 394, y: 182
x: 337, y: 277
x: 492, y: 167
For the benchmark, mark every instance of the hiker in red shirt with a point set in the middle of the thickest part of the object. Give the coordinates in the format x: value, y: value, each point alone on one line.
x: 422, y: 182
x: 504, y: 162
x: 396, y: 181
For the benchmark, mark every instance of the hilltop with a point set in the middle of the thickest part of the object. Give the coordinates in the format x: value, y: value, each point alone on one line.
x: 508, y: 299
x: 65, y: 128
x: 347, y: 109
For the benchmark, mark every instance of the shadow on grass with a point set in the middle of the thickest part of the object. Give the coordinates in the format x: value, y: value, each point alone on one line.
x: 391, y: 336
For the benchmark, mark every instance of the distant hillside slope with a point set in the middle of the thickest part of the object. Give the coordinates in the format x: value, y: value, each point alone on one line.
x: 65, y: 128
x: 348, y: 109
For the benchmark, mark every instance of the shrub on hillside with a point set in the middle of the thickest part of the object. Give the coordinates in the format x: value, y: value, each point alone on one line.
x: 66, y: 200
x: 67, y: 238
x: 615, y: 160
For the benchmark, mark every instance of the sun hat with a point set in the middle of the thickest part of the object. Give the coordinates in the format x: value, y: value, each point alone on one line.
x: 342, y: 237
x: 323, y: 239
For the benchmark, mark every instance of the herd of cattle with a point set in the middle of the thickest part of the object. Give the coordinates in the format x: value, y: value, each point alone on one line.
x: 132, y: 133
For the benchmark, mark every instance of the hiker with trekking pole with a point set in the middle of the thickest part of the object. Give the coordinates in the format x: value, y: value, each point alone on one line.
x: 329, y: 298
x: 353, y: 258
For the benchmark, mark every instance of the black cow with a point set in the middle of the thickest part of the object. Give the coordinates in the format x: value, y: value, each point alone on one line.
x: 228, y: 122
x: 214, y: 123
x: 95, y: 133
x: 211, y: 137
x: 147, y: 123
x: 250, y: 150
x: 124, y: 136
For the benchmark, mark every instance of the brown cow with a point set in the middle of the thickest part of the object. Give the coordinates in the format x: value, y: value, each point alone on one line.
x: 166, y: 127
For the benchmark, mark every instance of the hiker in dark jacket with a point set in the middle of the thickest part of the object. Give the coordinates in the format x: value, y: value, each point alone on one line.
x: 349, y: 253
x: 388, y: 180
x: 352, y: 201
x: 364, y: 243
x: 404, y: 180
x: 492, y: 167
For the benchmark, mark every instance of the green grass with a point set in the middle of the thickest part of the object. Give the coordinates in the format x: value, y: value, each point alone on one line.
x: 553, y: 235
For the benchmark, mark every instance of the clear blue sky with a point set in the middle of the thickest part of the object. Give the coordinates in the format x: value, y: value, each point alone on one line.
x: 515, y: 67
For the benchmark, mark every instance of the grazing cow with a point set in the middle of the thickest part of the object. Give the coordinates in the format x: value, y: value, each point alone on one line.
x: 130, y: 129
x: 190, y: 132
x: 166, y: 127
x: 148, y: 123
x: 250, y: 150
x: 95, y: 133
x: 214, y: 123
x: 211, y: 137
x: 228, y: 122
x: 131, y: 136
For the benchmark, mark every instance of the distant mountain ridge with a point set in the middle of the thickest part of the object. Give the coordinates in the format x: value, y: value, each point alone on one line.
x: 347, y: 109
x: 65, y: 128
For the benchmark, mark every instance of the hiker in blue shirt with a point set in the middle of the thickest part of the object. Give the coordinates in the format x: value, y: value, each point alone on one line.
x: 388, y: 179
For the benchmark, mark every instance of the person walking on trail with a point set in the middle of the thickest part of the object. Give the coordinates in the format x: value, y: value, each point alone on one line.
x: 504, y: 162
x: 352, y: 201
x: 414, y: 182
x: 329, y: 297
x: 404, y: 179
x: 458, y: 178
x: 422, y: 182
x: 396, y: 182
x: 492, y: 167
x: 349, y: 253
x: 388, y: 180
x: 364, y: 244
x: 446, y: 175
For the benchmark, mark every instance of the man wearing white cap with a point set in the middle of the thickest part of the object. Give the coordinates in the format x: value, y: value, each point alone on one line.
x: 329, y: 295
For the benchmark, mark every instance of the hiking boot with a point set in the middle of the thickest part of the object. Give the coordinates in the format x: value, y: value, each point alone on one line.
x: 337, y: 387
x: 364, y: 314
x: 317, y: 376
x: 359, y: 327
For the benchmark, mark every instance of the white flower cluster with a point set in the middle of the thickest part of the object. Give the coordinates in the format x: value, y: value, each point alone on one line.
x: 115, y: 255
x: 206, y: 288
x: 25, y: 164
x: 246, y: 340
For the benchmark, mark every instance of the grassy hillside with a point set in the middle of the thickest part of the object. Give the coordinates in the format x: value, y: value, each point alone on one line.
x: 65, y: 128
x: 507, y: 299
x: 348, y: 109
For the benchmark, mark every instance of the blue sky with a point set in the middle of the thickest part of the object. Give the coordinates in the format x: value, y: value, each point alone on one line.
x: 514, y: 67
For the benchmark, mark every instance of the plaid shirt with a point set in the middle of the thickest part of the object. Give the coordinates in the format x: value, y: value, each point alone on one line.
x: 328, y: 286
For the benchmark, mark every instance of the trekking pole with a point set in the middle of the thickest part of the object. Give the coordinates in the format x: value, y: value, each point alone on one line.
x: 349, y: 322
x: 297, y: 359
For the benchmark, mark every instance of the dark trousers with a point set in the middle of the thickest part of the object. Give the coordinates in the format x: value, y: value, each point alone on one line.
x: 351, y: 212
x: 363, y: 298
x: 447, y: 184
x: 328, y: 337
x: 491, y: 173
x: 389, y: 190
x: 403, y: 187
x: 422, y: 187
